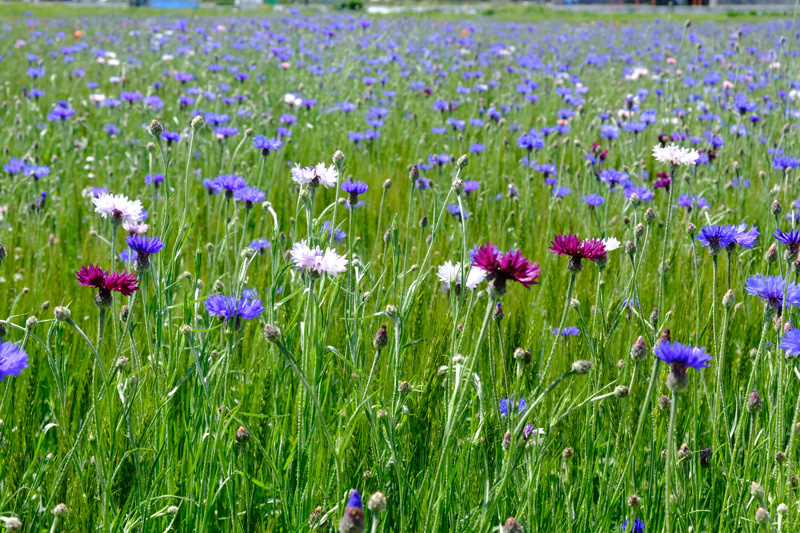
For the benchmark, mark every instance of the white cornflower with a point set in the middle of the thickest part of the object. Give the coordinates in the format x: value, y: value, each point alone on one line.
x: 135, y: 228
x: 315, y: 176
x: 675, y: 156
x: 611, y: 243
x: 449, y: 273
x: 118, y: 207
x: 317, y: 262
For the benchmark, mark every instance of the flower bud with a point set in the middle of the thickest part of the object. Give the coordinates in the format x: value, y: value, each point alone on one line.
x: 639, y: 350
x: 776, y: 208
x: 664, y: 403
x: 691, y: 229
x: 413, y: 174
x: 684, y: 452
x: 772, y: 255
x: 31, y: 323
x: 124, y: 313
x: 728, y: 300
x: 381, y: 339
x: 581, y: 367
x: 156, y: 129
x: 272, y: 333
x: 567, y: 454
x: 463, y: 161
x: 242, y: 435
x: 60, y: 510
x: 62, y: 314
x: 780, y: 458
x: 782, y: 510
x: 756, y: 490
x: 512, y: 526
x: 338, y: 158
x: 762, y: 516
x: 649, y: 215
x: 634, y: 501
x: 621, y: 391
x: 377, y: 502
x: 197, y: 122
x: 754, y: 403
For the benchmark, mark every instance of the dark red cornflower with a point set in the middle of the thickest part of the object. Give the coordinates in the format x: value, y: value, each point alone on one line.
x: 94, y: 276
x: 500, y: 267
x: 591, y: 249
x: 663, y: 181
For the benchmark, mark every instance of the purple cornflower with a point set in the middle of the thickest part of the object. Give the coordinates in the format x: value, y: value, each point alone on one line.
x: 249, y: 195
x: 230, y: 307
x: 501, y: 268
x: 455, y: 210
x: 13, y: 360
x: 266, y: 145
x: 144, y: 246
x: 471, y: 186
x: 681, y: 357
x: 592, y: 249
x: 594, y: 200
x: 561, y: 192
x: 354, y: 188
x: 230, y: 183
x: 530, y: 141
x: 96, y: 277
x: 716, y: 238
x: 770, y: 289
x: 546, y: 168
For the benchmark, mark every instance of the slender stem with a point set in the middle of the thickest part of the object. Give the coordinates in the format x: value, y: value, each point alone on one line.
x: 570, y: 288
x: 670, y: 459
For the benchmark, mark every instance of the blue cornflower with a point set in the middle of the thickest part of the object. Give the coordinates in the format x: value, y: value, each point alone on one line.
x: 614, y: 178
x: 688, y: 202
x: 681, y: 357
x: 260, y: 245
x: 212, y: 186
x: 477, y: 148
x: 636, y: 527
x: 791, y: 240
x: 791, y: 342
x: 561, y: 191
x: 230, y: 183
x: 470, y: 186
x: 354, y: 188
x: 249, y: 195
x: 154, y: 179
x: 507, y: 404
x: 144, y: 246
x: 338, y: 234
x: 266, y: 145
x: 569, y: 331
x: 643, y: 193
x: 545, y: 168
x: 530, y: 141
x: 594, y: 200
x: 770, y: 289
x: 128, y: 256
x: 455, y: 210
x: 716, y: 237
x: 225, y: 131
x: 784, y: 162
x: 13, y: 360
x: 744, y: 237
x: 228, y: 307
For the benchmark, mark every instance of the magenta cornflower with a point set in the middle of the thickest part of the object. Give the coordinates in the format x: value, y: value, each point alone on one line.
x: 592, y: 249
x: 501, y: 268
x: 93, y: 276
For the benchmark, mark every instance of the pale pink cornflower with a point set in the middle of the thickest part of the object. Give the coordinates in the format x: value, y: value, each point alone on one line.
x: 675, y: 156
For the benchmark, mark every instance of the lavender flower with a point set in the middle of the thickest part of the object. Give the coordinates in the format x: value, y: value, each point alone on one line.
x: 681, y: 357
x: 144, y: 246
x: 354, y: 188
x: 13, y: 360
x: 249, y: 196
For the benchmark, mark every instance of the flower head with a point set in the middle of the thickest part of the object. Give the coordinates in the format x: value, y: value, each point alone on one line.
x: 230, y: 307
x: 230, y: 183
x: 681, y: 357
x: 507, y: 404
x: 315, y: 261
x: 13, y: 360
x: 592, y: 249
x: 501, y: 268
x: 118, y: 207
x: 315, y: 176
x: 675, y: 156
x: 249, y: 196
x: 792, y: 241
x: 266, y: 145
x: 352, y: 520
x: 770, y: 289
x: 791, y: 342
x: 354, y: 188
x: 743, y: 237
x: 449, y: 273
x: 94, y: 276
x: 143, y: 246
x: 716, y: 237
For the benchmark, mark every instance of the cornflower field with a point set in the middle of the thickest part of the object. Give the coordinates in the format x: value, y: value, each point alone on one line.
x: 281, y: 271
